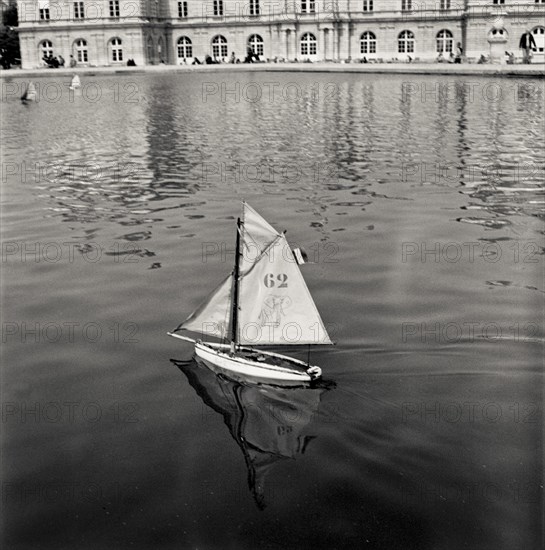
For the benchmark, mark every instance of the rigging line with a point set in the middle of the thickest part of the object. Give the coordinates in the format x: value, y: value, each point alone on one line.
x: 254, y: 241
x: 258, y: 259
x: 249, y: 236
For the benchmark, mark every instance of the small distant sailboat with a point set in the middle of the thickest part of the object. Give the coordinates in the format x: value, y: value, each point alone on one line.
x: 76, y: 83
x: 263, y: 302
x: 30, y: 93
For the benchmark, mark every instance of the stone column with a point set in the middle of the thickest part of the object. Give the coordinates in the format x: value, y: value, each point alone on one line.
x: 29, y: 53
x: 349, y: 36
x: 291, y: 44
x: 101, y: 51
x: 325, y: 42
x: 68, y: 50
x: 268, y: 52
x: 320, y: 44
x: 340, y: 41
x: 169, y: 59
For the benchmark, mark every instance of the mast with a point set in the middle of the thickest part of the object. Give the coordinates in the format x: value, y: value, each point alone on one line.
x: 236, y: 273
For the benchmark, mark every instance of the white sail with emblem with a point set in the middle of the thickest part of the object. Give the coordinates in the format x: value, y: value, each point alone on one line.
x: 275, y: 305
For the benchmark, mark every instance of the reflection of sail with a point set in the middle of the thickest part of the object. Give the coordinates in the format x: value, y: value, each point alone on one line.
x: 266, y: 421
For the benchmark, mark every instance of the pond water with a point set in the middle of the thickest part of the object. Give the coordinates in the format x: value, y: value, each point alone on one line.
x: 419, y: 201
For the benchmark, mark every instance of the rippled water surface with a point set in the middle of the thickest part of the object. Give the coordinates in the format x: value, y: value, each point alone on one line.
x: 422, y: 214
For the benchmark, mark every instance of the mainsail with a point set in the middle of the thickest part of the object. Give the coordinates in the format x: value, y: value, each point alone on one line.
x: 274, y: 304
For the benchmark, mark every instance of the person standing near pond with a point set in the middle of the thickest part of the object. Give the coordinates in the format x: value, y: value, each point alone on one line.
x: 459, y: 53
x: 527, y: 44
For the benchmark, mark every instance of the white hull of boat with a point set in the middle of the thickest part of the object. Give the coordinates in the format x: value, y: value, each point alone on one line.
x: 291, y: 371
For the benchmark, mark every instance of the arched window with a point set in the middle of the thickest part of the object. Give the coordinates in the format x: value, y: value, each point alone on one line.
x: 539, y: 37
x: 256, y: 43
x: 150, y: 50
x: 405, y: 42
x: 81, y: 51
x: 46, y: 47
x: 116, y: 49
x: 368, y: 43
x: 444, y: 41
x: 308, y: 44
x: 219, y: 46
x: 185, y: 48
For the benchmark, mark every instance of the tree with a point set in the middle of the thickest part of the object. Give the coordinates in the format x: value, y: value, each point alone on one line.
x: 9, y: 38
x: 9, y: 15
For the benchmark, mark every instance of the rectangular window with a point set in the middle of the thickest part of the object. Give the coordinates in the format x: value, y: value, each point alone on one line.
x: 78, y: 10
x: 114, y: 8
x: 367, y: 5
x: 44, y: 14
x: 497, y: 2
x: 308, y: 6
x: 444, y: 5
x: 254, y: 7
x: 182, y: 9
x: 218, y: 7
x: 406, y: 5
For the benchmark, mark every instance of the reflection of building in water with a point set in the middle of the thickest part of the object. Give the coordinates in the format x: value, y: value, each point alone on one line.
x: 109, y: 32
x: 501, y: 182
x: 173, y: 157
x: 267, y: 422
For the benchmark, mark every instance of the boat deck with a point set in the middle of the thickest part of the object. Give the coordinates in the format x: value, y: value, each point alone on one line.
x: 271, y: 359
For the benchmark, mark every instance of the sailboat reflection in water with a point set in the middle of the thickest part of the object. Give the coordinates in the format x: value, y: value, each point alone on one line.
x: 263, y: 302
x: 267, y: 422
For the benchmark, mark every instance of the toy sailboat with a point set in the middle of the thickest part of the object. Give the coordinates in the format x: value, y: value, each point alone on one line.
x: 30, y: 93
x: 263, y: 302
x: 76, y: 83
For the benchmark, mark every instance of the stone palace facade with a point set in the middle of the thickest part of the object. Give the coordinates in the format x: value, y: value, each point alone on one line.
x: 109, y: 32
